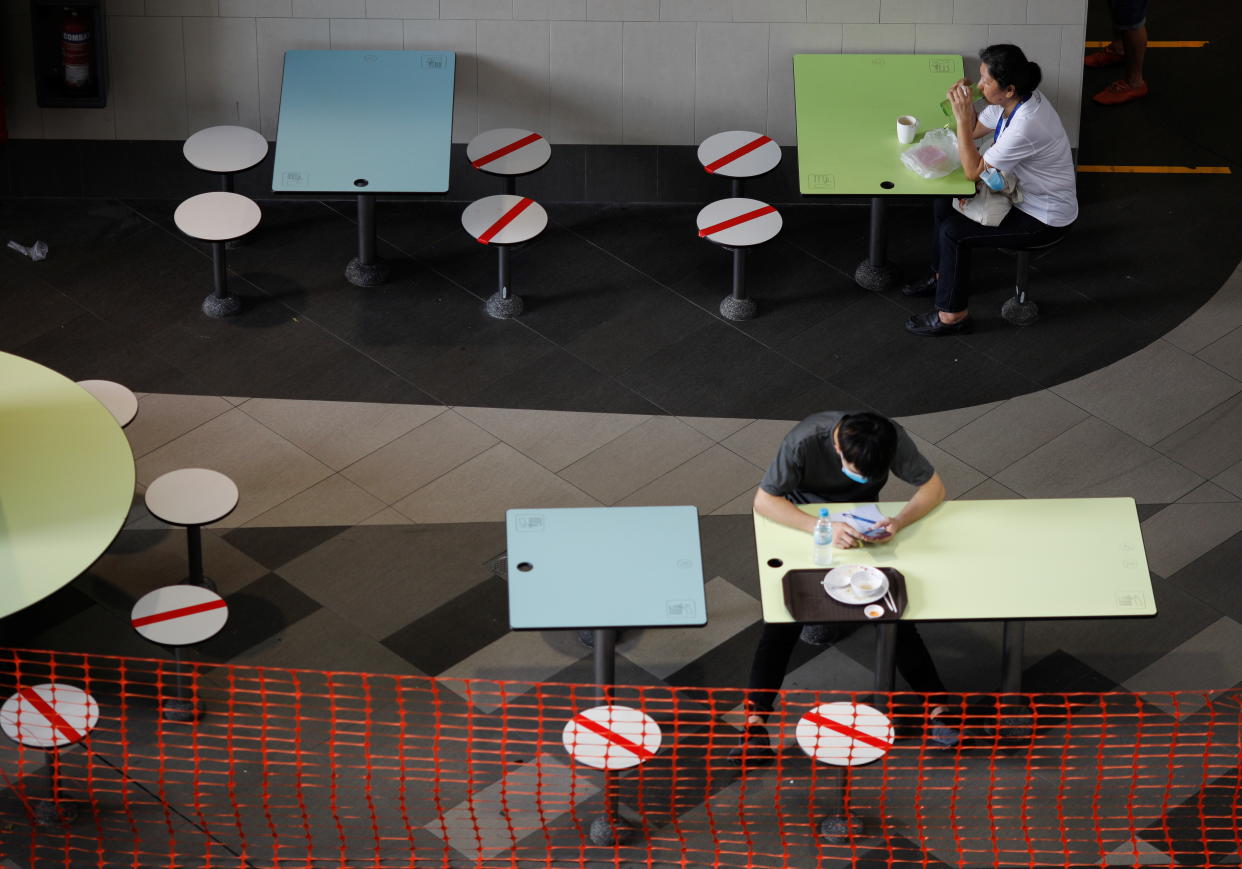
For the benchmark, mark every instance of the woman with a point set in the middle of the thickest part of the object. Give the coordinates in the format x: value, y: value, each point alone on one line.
x: 1028, y: 141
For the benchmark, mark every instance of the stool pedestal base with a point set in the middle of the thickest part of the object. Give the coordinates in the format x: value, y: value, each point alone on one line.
x: 221, y: 306
x: 1019, y: 313
x: 179, y: 710
x: 840, y: 828
x: 54, y: 813
x: 737, y: 309
x: 873, y: 277
x: 606, y: 832
x: 362, y: 274
x: 503, y: 307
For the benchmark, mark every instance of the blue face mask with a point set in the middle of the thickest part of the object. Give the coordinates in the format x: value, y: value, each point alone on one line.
x: 857, y: 478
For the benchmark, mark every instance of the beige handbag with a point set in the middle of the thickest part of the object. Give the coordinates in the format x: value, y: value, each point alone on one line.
x: 989, y: 207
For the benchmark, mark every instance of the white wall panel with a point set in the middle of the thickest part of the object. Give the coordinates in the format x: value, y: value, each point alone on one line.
x: 696, y: 10
x: 989, y: 11
x: 844, y: 11
x: 658, y: 83
x: 120, y: 7
x: 221, y: 72
x: 549, y: 10
x: 80, y: 123
x: 784, y: 41
x: 23, y: 117
x: 877, y: 38
x: 769, y: 10
x: 585, y: 72
x: 276, y: 36
x: 147, y: 78
x: 360, y: 33
x: 257, y: 8
x: 623, y: 10
x: 916, y: 11
x: 1056, y: 11
x: 963, y: 39
x: 1069, y: 100
x: 513, y: 74
x: 458, y: 37
x: 730, y: 79
x: 476, y: 9
x: 179, y: 7
x: 403, y: 8
x: 329, y: 8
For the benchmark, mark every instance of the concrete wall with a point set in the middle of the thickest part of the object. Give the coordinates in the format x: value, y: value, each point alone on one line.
x: 666, y: 72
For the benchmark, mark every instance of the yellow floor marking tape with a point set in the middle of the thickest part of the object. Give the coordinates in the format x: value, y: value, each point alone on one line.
x: 1161, y: 170
x: 1193, y: 43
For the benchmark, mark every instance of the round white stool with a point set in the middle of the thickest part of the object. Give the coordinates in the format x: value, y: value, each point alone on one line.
x: 180, y: 615
x: 738, y: 155
x: 118, y: 399
x: 503, y: 221
x: 218, y: 217
x: 225, y: 150
x: 47, y: 717
x: 736, y: 225
x: 508, y: 152
x: 192, y: 497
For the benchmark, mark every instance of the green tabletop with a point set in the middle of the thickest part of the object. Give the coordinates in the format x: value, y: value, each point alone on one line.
x: 1019, y: 559
x: 847, y: 107
x: 66, y: 481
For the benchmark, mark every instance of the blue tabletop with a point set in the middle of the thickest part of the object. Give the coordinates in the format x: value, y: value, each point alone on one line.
x: 605, y: 567
x: 385, y: 117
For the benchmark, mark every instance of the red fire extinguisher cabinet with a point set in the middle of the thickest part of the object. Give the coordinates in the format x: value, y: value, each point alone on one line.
x: 70, y: 53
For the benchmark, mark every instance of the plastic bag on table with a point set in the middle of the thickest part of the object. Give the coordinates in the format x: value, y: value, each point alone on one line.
x: 933, y: 156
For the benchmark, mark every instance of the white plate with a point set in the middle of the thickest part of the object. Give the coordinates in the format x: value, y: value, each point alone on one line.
x: 845, y: 593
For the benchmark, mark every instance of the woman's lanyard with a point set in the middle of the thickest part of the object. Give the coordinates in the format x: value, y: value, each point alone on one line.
x: 1003, y: 123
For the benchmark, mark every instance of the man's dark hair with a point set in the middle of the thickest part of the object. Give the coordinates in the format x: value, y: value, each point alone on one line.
x: 1009, y: 66
x: 868, y: 442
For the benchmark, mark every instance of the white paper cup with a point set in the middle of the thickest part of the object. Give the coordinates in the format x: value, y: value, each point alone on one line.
x: 907, y: 126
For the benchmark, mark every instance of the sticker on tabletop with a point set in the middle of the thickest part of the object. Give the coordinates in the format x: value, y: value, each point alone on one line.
x: 48, y: 715
x: 845, y: 734
x: 611, y: 737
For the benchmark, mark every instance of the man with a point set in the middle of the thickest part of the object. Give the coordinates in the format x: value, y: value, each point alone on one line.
x: 1127, y: 49
x: 838, y: 457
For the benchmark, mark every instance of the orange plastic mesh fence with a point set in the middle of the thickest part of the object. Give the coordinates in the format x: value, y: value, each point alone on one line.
x: 299, y: 768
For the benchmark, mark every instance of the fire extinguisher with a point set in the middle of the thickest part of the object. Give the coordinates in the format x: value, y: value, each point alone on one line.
x: 75, y: 50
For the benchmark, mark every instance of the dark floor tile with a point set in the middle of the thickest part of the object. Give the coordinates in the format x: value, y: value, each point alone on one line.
x: 20, y: 627
x: 455, y: 631
x: 620, y: 173
x: 556, y: 381
x: 1062, y: 672
x: 726, y: 665
x: 865, y: 349
x: 141, y: 168
x: 562, y: 178
x: 717, y: 371
x: 1146, y: 511
x: 275, y: 547
x: 681, y: 177
x: 97, y: 629
x: 33, y: 307
x: 257, y: 612
x: 1213, y: 578
x: 822, y: 396
x: 1202, y: 829
x: 45, y: 167
x: 342, y: 373
x: 660, y: 241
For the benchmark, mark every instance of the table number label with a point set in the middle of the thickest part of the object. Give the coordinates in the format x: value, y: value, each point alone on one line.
x: 679, y: 607
x: 821, y: 181
x: 530, y: 523
x: 294, y: 178
x: 941, y: 64
x: 1129, y: 599
x: 435, y: 61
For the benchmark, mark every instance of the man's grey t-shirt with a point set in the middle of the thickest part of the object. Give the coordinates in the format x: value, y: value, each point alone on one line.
x: 807, y: 470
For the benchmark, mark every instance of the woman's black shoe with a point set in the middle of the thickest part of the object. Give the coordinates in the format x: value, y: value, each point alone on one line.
x: 925, y: 287
x: 930, y: 325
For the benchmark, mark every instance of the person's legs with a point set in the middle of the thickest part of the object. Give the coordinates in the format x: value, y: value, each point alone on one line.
x: 926, y: 286
x: 767, y: 670
x: 1129, y: 47
x: 1135, y: 41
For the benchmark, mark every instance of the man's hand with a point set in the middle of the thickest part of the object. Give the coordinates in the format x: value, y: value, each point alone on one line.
x: 883, y: 530
x: 844, y: 536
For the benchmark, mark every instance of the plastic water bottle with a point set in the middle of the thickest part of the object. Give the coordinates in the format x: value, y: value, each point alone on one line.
x: 821, y: 540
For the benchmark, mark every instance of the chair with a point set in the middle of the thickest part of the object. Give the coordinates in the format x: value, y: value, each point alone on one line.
x: 49, y: 717
x: 192, y: 497
x: 218, y: 218
x: 118, y: 399
x: 1018, y: 309
x: 179, y: 615
x: 503, y: 221
x: 225, y: 151
x: 509, y: 153
x: 738, y: 155
x: 738, y: 224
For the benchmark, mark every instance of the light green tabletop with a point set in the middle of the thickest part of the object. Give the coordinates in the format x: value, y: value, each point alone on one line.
x: 847, y: 107
x: 1019, y: 559
x: 66, y: 481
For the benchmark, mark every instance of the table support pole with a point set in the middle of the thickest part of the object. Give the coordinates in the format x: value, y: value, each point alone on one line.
x: 183, y: 705
x: 221, y: 303
x: 226, y: 182
x: 608, y: 828
x: 885, y: 660
x: 511, y: 185
x: 54, y: 810
x: 875, y: 273
x: 735, y: 188
x: 366, y: 270
x: 838, y: 827
x: 1011, y: 658
x: 736, y: 306
x: 503, y: 304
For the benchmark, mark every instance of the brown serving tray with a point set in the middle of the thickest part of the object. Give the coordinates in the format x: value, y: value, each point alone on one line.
x: 807, y: 601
